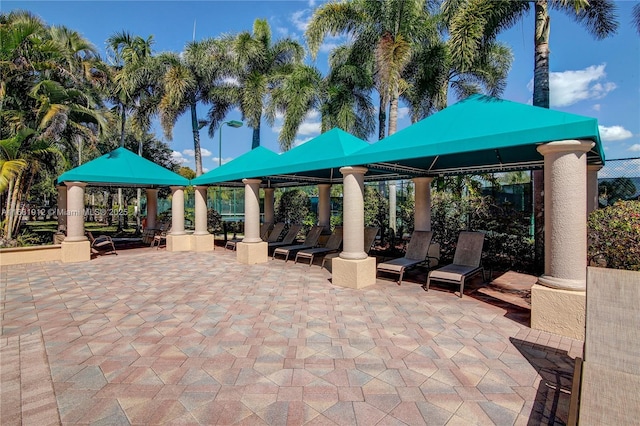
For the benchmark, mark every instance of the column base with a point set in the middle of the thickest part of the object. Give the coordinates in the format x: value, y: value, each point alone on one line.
x: 558, y: 311
x: 202, y: 242
x: 252, y: 253
x: 75, y: 251
x: 356, y: 274
x: 179, y: 242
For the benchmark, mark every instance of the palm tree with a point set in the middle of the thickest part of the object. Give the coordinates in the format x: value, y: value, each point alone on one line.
x: 477, y: 23
x: 259, y: 66
x: 474, y: 24
x: 189, y: 79
x: 48, y: 99
x: 385, y: 32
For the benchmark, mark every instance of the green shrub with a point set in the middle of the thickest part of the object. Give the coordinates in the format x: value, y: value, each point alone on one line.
x: 614, y: 234
x: 293, y: 206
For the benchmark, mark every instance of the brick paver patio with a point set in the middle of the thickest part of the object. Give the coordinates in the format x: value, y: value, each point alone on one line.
x: 197, y: 338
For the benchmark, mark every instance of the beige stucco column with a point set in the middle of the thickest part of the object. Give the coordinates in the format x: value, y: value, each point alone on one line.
x: 422, y: 214
x: 177, y: 240
x: 558, y: 299
x: 392, y: 207
x: 252, y: 249
x: 201, y: 240
x: 76, y: 246
x: 61, y: 212
x: 422, y: 206
x: 592, y: 187
x: 152, y: 208
x: 353, y: 268
x: 269, y: 216
x: 324, y: 206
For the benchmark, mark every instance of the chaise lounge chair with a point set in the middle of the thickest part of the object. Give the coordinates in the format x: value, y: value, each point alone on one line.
x: 333, y: 245
x: 466, y: 262
x: 416, y: 254
x: 264, y: 231
x: 161, y: 236
x: 310, y: 241
x: 101, y: 245
x: 370, y: 233
x: 288, y: 239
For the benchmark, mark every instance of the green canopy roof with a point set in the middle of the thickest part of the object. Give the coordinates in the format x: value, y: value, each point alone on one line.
x: 477, y: 134
x: 239, y: 168
x: 123, y: 167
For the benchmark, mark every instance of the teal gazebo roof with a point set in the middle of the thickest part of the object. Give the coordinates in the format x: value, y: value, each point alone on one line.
x: 478, y: 134
x: 239, y: 168
x: 123, y: 167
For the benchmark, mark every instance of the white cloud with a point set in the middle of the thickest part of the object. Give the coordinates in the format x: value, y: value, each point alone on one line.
x: 224, y: 160
x: 232, y: 81
x: 327, y: 47
x: 403, y: 112
x: 569, y: 87
x: 205, y: 170
x: 178, y: 158
x: 312, y: 3
x: 299, y: 142
x: 300, y: 19
x: 191, y: 153
x: 309, y: 128
x: 596, y: 107
x: 614, y: 133
x: 635, y: 147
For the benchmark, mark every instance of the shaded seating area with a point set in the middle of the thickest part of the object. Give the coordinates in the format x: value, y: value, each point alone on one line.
x: 416, y: 254
x: 333, y: 245
x: 103, y: 244
x: 288, y: 239
x: 265, y: 228
x: 370, y: 233
x: 160, y: 238
x: 466, y: 262
x: 310, y: 241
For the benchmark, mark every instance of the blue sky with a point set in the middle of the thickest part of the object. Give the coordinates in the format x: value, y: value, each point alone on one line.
x: 599, y: 79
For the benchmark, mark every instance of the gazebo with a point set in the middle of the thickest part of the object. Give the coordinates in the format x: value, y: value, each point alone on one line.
x: 478, y: 134
x: 120, y: 167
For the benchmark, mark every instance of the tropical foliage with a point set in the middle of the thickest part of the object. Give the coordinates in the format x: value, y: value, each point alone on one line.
x: 614, y: 235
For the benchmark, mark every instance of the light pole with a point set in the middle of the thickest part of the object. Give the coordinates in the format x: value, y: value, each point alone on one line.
x: 230, y: 123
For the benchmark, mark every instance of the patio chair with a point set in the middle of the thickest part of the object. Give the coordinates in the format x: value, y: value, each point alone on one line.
x: 264, y: 231
x: 466, y: 262
x: 288, y: 239
x: 416, y: 254
x: 161, y: 236
x: 370, y: 233
x: 101, y: 245
x: 310, y: 241
x: 333, y: 245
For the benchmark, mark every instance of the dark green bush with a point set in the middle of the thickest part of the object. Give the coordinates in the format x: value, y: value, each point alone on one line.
x: 614, y: 234
x: 293, y: 206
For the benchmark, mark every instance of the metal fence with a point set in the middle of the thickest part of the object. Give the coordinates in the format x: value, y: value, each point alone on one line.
x: 619, y: 179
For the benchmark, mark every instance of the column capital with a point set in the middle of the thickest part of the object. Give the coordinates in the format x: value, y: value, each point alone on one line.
x: 594, y: 167
x: 80, y: 184
x: 251, y: 181
x: 427, y: 179
x: 176, y: 188
x: 151, y: 190
x: 198, y: 187
x: 269, y: 189
x: 570, y: 145
x: 324, y: 185
x: 349, y: 170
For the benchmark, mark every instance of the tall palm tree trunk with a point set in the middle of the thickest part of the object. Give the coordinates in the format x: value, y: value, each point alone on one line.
x: 382, y: 119
x: 123, y: 121
x: 541, y: 99
x: 393, y: 112
x: 196, y: 138
x: 255, y: 141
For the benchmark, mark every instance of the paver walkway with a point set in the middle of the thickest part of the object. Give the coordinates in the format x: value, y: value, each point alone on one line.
x: 197, y: 338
